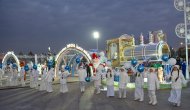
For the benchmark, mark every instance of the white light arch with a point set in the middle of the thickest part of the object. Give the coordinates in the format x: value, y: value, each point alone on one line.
x: 70, y: 47
x: 9, y: 55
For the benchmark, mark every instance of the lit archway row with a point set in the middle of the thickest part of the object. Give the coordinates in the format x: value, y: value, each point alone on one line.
x: 9, y: 55
x: 64, y: 51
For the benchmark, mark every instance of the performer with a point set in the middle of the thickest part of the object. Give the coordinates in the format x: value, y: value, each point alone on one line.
x: 15, y: 76
x: 82, y: 75
x: 43, y: 79
x: 22, y: 74
x: 153, y: 84
x: 177, y: 80
x: 31, y: 78
x: 139, y: 84
x: 50, y: 78
x: 1, y: 75
x: 63, y: 80
x: 35, y: 76
x: 123, y: 80
x: 110, y: 82
x: 97, y: 78
x: 8, y: 71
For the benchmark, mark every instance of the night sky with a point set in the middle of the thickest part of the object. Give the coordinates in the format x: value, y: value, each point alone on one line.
x: 36, y: 24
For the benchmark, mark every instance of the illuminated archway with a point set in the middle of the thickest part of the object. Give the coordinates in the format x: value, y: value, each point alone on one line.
x: 64, y: 51
x: 11, y: 55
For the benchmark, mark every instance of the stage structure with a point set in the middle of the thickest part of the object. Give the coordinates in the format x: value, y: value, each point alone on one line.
x: 123, y: 49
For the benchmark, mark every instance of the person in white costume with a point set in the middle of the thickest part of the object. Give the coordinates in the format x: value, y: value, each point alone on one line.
x: 97, y: 78
x: 1, y: 75
x: 9, y: 73
x: 43, y: 80
x: 35, y: 73
x: 49, y: 79
x: 82, y: 75
x: 63, y: 80
x: 123, y: 80
x: 139, y: 83
x: 110, y: 82
x: 153, y: 84
x: 31, y: 78
x: 15, y: 77
x: 22, y: 74
x: 177, y: 80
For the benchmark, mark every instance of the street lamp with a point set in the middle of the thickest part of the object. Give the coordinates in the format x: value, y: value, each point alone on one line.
x: 181, y: 29
x: 181, y: 43
x: 96, y: 36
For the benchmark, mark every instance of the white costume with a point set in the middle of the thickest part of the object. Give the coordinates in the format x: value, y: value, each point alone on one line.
x: 31, y: 79
x: 123, y: 80
x: 1, y: 76
x: 8, y: 71
x: 153, y: 84
x: 35, y: 78
x: 49, y: 78
x: 22, y: 74
x: 82, y: 75
x: 63, y: 81
x: 177, y: 80
x: 43, y: 80
x: 110, y: 82
x: 97, y: 79
x: 15, y: 77
x: 139, y: 83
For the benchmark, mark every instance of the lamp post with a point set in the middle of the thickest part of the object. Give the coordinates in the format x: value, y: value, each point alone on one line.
x: 96, y: 36
x: 181, y: 29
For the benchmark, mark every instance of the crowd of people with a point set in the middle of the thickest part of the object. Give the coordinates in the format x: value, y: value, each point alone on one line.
x: 106, y: 72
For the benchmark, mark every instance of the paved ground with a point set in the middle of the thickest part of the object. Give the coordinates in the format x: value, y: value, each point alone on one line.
x: 31, y: 99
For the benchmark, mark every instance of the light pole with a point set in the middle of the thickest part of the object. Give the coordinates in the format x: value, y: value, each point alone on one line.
x: 96, y: 36
x: 181, y: 29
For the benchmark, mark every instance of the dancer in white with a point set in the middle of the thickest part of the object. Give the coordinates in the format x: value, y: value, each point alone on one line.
x: 1, y: 75
x: 82, y: 75
x: 43, y: 80
x: 15, y: 76
x: 49, y: 79
x: 22, y: 74
x: 153, y: 84
x: 63, y: 80
x: 31, y: 78
x: 35, y: 73
x: 123, y: 80
x: 139, y: 83
x: 97, y: 78
x: 110, y: 82
x: 177, y: 80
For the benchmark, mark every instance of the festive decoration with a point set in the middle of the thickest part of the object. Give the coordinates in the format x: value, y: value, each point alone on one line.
x: 165, y: 58
x: 87, y: 79
x: 26, y: 67
x: 77, y: 60
x: 116, y: 78
x: 172, y: 61
x: 35, y: 67
x: 140, y: 68
x: 94, y: 56
x: 134, y: 62
x: 21, y: 63
x: 67, y: 68
x: 14, y: 65
x: 1, y: 65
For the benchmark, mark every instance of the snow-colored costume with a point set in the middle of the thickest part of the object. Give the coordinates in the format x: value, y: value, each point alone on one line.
x: 22, y: 74
x: 153, y: 84
x: 15, y: 77
x: 139, y: 83
x: 43, y: 80
x: 97, y: 78
x: 123, y: 80
x: 63, y: 81
x: 35, y: 73
x: 49, y: 79
x: 82, y: 75
x: 110, y: 82
x: 1, y: 76
x: 177, y: 80
x: 31, y: 78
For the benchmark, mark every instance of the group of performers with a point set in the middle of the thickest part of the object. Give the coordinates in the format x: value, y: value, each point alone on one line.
x: 103, y: 71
